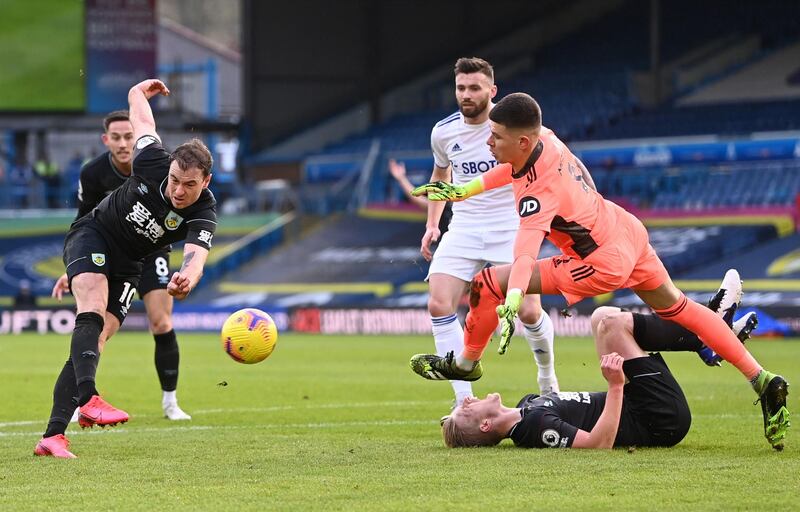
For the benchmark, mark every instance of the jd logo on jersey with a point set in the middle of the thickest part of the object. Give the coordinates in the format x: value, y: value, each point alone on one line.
x: 98, y: 259
x: 172, y: 221
x: 528, y: 205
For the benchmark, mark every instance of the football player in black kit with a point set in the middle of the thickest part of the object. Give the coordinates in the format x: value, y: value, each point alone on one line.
x: 165, y: 200
x: 98, y: 178
x: 650, y: 410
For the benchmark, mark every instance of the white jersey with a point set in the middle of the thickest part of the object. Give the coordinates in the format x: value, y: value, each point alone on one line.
x: 463, y: 146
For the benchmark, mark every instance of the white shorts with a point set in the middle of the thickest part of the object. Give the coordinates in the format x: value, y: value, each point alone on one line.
x: 462, y: 254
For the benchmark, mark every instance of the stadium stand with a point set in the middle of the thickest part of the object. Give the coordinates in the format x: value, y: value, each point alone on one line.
x: 769, y: 79
x: 584, y: 84
x: 729, y: 119
x: 703, y: 187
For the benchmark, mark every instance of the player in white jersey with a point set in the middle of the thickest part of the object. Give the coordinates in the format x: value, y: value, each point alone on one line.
x: 482, y: 230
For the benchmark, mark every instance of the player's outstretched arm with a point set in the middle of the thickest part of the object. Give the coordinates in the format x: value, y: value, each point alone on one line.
x: 444, y: 191
x: 605, y: 430
x: 495, y: 177
x: 184, y: 281
x: 140, y: 113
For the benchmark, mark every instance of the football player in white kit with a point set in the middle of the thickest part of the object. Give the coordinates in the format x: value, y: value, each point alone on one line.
x: 482, y: 230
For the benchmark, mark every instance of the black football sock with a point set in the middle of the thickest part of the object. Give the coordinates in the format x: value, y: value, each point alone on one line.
x: 55, y: 427
x: 167, y: 360
x: 64, y: 401
x: 85, y: 353
x: 654, y: 334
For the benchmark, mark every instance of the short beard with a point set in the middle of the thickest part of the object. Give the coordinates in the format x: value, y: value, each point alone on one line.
x: 479, y: 109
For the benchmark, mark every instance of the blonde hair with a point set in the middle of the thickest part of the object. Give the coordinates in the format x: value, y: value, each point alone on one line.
x: 467, y: 434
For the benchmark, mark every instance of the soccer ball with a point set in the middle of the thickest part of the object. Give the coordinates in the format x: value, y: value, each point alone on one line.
x: 249, y: 336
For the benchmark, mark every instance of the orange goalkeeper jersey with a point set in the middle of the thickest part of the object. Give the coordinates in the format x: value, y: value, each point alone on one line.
x: 551, y: 196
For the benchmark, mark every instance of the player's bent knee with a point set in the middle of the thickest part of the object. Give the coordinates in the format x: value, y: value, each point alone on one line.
x: 600, y: 313
x: 530, y: 312
x: 482, y: 291
x: 441, y: 307
x: 161, y: 325
x: 613, y: 325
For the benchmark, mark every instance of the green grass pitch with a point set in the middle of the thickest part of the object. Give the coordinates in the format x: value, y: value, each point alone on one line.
x: 341, y: 423
x: 41, y: 55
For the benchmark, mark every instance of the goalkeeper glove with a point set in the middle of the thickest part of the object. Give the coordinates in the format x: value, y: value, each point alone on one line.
x: 508, y: 314
x: 443, y: 191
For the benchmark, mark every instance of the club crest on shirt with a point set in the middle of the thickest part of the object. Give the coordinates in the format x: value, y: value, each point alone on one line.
x: 172, y: 221
x: 550, y: 437
x: 98, y: 259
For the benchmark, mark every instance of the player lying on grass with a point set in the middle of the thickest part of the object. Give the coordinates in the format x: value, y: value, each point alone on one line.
x: 604, y: 249
x: 649, y: 410
x: 166, y: 200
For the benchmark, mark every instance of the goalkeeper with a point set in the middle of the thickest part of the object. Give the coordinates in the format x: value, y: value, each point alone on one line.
x: 604, y: 249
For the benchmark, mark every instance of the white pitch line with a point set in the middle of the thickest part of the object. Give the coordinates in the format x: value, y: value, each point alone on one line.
x: 288, y: 426
x: 318, y: 406
x: 19, y: 423
x: 266, y: 409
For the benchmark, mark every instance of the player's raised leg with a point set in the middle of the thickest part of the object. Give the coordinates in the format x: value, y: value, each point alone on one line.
x: 671, y: 304
x: 111, y: 325
x: 91, y: 296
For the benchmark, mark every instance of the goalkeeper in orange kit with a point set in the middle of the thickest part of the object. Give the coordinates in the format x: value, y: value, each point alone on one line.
x: 604, y: 248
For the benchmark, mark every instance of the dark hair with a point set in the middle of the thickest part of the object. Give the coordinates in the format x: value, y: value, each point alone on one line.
x: 117, y: 115
x: 468, y: 65
x: 517, y: 110
x: 193, y: 154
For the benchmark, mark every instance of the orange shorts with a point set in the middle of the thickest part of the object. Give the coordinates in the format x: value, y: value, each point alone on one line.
x: 627, y: 262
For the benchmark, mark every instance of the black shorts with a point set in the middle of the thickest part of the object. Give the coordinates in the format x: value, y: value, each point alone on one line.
x: 88, y: 250
x: 653, y: 334
x: 654, y: 408
x: 155, y: 272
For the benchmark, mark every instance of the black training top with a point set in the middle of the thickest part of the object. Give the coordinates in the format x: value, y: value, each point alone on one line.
x: 140, y: 218
x: 551, y: 421
x: 98, y: 178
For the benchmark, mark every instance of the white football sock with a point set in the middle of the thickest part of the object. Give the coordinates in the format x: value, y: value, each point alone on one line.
x: 540, y: 339
x: 448, y: 335
x: 169, y: 397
